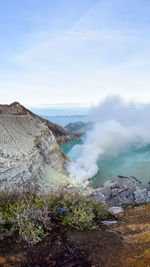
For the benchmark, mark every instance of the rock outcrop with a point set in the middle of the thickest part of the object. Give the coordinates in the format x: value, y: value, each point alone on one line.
x: 79, y: 127
x: 123, y: 190
x: 61, y: 134
x: 29, y: 153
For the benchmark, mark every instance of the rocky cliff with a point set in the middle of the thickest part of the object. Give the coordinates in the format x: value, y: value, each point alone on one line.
x: 29, y: 153
x: 61, y: 134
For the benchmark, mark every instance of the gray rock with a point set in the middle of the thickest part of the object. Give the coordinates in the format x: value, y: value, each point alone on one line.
x: 108, y: 223
x: 123, y: 190
x: 61, y: 134
x: 29, y: 153
x: 115, y: 210
x: 142, y: 195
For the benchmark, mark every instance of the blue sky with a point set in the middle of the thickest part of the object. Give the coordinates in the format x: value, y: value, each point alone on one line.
x: 74, y: 51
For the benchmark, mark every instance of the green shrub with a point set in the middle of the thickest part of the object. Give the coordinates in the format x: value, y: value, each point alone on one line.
x: 32, y: 233
x: 32, y: 215
x: 6, y: 231
x: 80, y: 217
x: 83, y: 212
x: 32, y: 223
x: 100, y: 210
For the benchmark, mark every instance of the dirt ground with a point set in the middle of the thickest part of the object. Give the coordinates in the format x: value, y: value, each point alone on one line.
x: 125, y: 244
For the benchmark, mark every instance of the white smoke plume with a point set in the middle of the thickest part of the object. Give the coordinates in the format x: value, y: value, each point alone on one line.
x: 117, y: 125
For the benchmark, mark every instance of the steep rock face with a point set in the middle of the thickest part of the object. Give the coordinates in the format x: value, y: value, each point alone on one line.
x: 61, y: 134
x: 29, y: 153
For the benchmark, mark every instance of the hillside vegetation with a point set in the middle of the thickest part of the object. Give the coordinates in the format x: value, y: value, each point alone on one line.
x: 32, y: 216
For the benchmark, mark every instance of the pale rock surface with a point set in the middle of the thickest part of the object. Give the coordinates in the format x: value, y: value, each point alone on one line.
x: 29, y: 153
x: 115, y: 210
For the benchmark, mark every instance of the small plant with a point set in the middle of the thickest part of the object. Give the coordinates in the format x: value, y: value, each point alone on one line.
x: 7, y: 230
x: 101, y: 212
x: 80, y: 217
x: 31, y: 232
x: 32, y: 223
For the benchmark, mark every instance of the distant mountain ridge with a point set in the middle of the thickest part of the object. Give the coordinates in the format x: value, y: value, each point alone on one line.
x: 79, y: 127
x: 63, y: 120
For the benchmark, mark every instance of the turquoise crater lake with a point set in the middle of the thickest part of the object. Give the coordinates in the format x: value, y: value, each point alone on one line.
x: 130, y: 162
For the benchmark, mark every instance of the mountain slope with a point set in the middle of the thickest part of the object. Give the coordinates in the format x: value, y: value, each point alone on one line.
x: 29, y: 153
x: 62, y: 135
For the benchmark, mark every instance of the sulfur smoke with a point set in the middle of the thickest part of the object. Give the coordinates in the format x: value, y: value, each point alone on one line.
x: 117, y: 126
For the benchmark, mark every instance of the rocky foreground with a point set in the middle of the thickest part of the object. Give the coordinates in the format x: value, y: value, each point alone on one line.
x: 29, y: 150
x: 125, y: 243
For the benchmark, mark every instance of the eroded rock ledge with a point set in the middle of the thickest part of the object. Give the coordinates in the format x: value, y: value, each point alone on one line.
x: 123, y: 190
x: 61, y: 134
x: 29, y: 153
